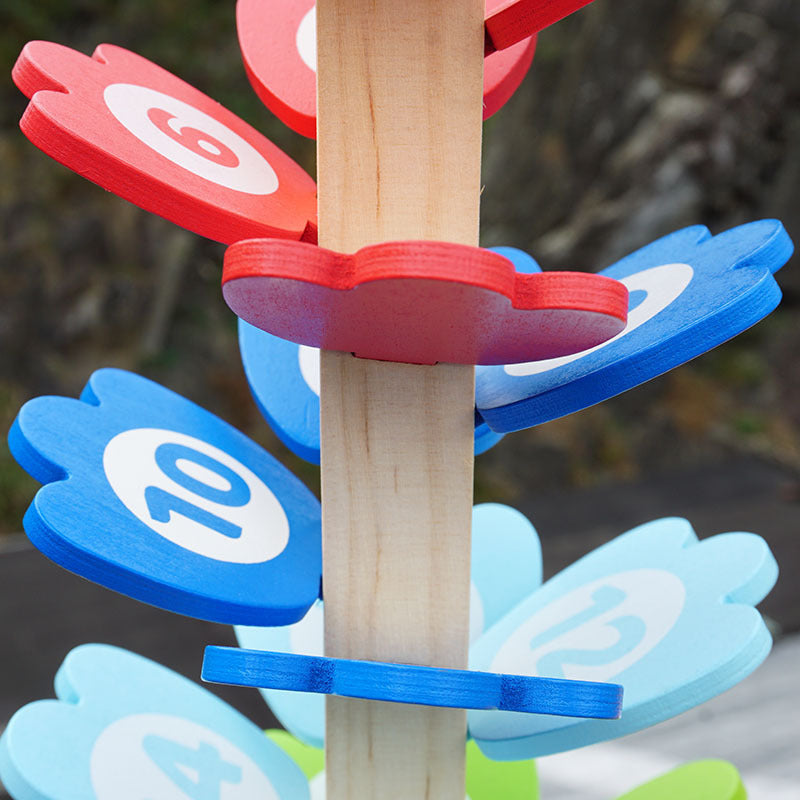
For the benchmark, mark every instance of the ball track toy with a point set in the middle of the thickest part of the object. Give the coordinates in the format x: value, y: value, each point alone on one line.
x: 670, y: 618
x: 506, y: 568
x: 155, y: 497
x: 125, y: 727
x: 627, y: 612
x: 281, y: 61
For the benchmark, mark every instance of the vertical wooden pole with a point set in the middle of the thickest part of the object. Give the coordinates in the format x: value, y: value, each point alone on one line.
x: 399, y: 138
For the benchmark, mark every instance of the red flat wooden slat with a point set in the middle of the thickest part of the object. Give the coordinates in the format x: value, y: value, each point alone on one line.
x: 515, y: 20
x: 140, y: 132
x: 419, y: 302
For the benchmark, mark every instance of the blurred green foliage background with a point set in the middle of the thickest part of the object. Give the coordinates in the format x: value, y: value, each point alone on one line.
x: 636, y: 119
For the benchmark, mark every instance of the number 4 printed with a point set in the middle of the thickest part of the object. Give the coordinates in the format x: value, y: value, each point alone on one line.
x: 174, y: 759
x: 126, y: 728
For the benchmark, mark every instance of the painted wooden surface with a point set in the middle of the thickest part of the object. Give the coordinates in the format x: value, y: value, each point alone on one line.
x: 62, y: 609
x: 411, y: 684
x: 419, y: 302
x: 506, y: 568
x: 221, y: 154
x: 510, y: 21
x: 284, y: 380
x: 140, y: 132
x: 700, y: 780
x: 310, y: 759
x: 398, y: 159
x: 152, y: 496
x: 165, y: 736
x: 125, y: 728
x: 281, y: 60
x: 689, y: 292
x: 669, y: 618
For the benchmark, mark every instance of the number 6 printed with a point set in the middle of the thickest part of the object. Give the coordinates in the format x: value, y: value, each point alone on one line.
x: 142, y: 133
x: 177, y: 508
x: 191, y: 139
x: 195, y: 140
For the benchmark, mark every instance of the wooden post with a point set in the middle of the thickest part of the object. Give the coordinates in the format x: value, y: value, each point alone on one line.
x: 399, y: 138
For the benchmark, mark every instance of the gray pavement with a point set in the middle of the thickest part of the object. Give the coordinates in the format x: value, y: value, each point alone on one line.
x: 755, y: 726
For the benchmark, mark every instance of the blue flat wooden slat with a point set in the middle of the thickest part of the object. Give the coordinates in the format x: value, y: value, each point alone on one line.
x: 407, y: 683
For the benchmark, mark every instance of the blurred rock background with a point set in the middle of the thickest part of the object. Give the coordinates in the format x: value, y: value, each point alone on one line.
x: 635, y: 120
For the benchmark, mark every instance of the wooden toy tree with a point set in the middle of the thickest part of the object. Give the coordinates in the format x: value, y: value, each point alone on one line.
x: 183, y: 512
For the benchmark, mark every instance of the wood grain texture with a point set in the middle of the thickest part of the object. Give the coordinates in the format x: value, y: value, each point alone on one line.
x: 281, y: 62
x: 399, y: 115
